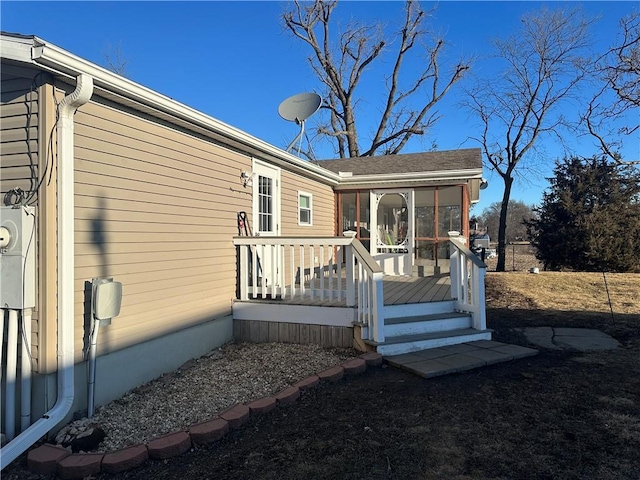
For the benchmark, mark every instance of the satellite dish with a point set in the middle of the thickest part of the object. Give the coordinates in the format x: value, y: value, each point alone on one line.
x: 300, y: 107
x: 297, y: 109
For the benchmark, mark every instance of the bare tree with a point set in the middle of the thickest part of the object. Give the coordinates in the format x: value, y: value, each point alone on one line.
x: 341, y: 64
x: 517, y: 213
x: 524, y: 102
x: 618, y: 70
x: 115, y: 59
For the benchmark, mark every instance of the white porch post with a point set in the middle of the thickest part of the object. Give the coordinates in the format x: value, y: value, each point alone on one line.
x: 377, y: 303
x: 454, y: 273
x: 348, y: 258
x: 244, y: 273
x: 480, y: 315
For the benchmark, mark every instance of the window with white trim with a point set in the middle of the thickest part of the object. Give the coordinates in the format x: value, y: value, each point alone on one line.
x: 265, y: 204
x: 305, y: 208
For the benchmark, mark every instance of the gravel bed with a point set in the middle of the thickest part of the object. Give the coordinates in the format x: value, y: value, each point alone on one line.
x: 197, y: 391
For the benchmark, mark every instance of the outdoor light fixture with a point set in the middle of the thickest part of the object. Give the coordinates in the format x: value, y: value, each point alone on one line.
x: 246, y: 178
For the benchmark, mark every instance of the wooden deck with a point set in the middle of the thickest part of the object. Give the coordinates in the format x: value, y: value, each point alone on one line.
x: 398, y: 290
x: 403, y: 290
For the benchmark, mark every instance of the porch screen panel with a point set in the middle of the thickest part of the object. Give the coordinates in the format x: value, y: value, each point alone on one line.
x: 265, y: 204
x: 356, y: 213
x: 349, y: 217
x: 425, y: 211
x: 364, y: 222
x: 449, y: 210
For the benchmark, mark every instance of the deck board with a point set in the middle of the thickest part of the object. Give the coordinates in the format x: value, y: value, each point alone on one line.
x: 397, y: 291
x: 431, y: 292
x: 410, y: 290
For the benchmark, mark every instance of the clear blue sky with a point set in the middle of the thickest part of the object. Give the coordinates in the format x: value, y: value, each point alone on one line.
x: 235, y: 62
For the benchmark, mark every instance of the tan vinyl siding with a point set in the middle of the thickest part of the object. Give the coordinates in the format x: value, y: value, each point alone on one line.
x: 18, y: 129
x: 44, y: 338
x: 323, y: 207
x: 322, y: 211
x: 155, y: 209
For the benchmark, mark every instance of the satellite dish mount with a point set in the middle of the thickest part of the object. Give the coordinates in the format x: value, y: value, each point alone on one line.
x: 297, y: 109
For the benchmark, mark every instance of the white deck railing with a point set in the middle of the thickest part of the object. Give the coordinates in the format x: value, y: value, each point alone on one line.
x: 336, y: 270
x: 467, y: 283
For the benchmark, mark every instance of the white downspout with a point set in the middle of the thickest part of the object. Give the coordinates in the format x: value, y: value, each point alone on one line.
x: 65, y: 207
x: 25, y: 371
x: 12, y: 366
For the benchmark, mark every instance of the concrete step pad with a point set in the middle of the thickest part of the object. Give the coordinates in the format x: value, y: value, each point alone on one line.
x: 458, y: 358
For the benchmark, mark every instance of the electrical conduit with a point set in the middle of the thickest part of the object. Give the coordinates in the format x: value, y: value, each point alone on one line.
x: 92, y: 368
x: 65, y: 207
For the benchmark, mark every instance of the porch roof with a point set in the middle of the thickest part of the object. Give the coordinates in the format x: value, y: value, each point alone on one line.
x: 426, y: 162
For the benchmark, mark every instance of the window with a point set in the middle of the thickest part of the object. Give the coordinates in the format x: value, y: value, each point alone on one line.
x: 265, y: 204
x: 304, y: 208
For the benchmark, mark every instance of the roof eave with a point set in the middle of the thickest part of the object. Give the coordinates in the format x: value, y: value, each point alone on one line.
x: 63, y: 63
x: 440, y: 176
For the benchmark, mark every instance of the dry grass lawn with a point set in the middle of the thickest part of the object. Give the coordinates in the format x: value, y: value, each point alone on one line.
x: 569, y: 291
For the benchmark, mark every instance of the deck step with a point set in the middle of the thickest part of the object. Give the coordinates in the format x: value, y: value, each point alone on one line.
x: 400, y: 344
x: 437, y: 322
x: 417, y: 309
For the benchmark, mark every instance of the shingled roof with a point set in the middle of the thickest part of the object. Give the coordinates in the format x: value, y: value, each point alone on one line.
x: 469, y: 158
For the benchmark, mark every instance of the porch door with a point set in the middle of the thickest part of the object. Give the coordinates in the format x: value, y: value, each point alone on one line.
x: 266, y: 220
x: 392, y: 239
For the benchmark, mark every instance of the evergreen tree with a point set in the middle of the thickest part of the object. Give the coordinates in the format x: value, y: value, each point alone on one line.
x: 589, y: 219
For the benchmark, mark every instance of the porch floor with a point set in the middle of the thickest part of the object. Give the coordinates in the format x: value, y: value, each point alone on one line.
x: 398, y: 290
x: 458, y: 358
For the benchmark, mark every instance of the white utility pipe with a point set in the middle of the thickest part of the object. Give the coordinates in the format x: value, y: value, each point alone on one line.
x: 25, y: 371
x: 4, y: 316
x: 65, y: 206
x: 12, y: 366
x: 92, y: 368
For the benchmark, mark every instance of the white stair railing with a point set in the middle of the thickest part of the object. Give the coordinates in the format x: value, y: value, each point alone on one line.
x: 370, y: 293
x: 338, y: 270
x: 467, y: 283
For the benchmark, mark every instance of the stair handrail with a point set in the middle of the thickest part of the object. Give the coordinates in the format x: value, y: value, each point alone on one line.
x: 370, y: 308
x: 467, y: 283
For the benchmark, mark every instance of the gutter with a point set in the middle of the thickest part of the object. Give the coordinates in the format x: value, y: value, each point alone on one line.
x: 66, y: 253
x: 464, y: 175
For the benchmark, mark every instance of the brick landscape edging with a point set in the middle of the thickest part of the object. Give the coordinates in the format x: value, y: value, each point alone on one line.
x: 49, y: 459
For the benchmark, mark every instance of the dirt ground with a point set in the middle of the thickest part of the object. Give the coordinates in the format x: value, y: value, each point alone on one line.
x: 559, y: 415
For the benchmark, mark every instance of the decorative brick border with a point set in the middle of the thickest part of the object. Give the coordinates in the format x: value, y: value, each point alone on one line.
x: 48, y: 459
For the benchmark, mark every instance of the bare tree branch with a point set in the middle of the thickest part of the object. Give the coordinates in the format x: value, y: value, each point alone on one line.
x: 115, y: 59
x: 340, y: 65
x: 545, y: 65
x: 618, y: 72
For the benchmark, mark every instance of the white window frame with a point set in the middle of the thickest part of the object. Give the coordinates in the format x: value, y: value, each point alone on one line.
x: 310, y: 197
x: 267, y: 170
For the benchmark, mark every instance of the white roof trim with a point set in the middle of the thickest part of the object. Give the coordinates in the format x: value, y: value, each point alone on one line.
x: 440, y: 175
